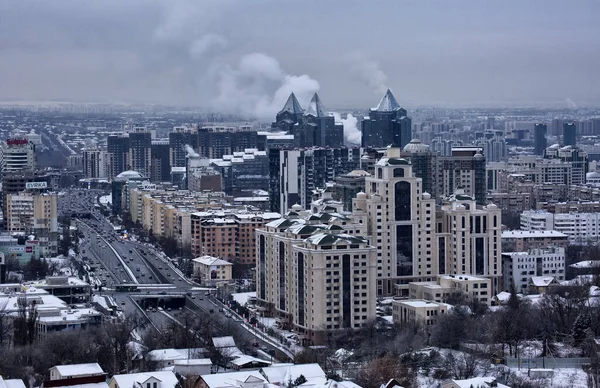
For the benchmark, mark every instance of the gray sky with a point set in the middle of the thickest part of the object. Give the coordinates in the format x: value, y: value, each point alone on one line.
x: 248, y: 54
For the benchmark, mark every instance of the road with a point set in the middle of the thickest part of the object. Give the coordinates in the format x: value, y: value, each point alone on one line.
x: 161, y: 286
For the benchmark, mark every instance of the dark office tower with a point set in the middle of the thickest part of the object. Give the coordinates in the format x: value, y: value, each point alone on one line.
x: 318, y: 128
x: 140, y: 148
x: 569, y: 134
x: 216, y: 141
x: 160, y: 170
x: 387, y: 124
x: 118, y: 149
x: 178, y: 139
x: 539, y: 139
x: 290, y: 115
x: 464, y: 169
x: 244, y: 139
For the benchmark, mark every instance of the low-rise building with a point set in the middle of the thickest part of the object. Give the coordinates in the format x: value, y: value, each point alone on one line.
x: 163, y: 379
x: 417, y: 310
x: 541, y: 284
x: 447, y: 287
x: 520, y: 267
x: 210, y: 269
x: 11, y: 383
x: 523, y: 240
x: 71, y: 371
x: 581, y: 228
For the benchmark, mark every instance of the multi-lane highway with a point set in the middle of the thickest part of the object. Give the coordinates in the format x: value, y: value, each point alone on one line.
x: 162, y: 293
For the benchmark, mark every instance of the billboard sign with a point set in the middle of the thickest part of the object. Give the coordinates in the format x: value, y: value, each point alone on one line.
x: 16, y: 249
x: 29, y: 249
x: 36, y: 185
x: 213, y: 272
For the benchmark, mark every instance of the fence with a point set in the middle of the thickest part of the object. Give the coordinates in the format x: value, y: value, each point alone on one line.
x: 546, y: 362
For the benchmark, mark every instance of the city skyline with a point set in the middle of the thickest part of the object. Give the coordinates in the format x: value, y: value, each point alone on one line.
x: 248, y: 58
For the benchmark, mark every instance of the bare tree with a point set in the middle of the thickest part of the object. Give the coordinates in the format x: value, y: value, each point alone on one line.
x: 380, y: 370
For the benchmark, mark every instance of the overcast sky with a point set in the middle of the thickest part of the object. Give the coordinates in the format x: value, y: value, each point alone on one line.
x: 248, y: 54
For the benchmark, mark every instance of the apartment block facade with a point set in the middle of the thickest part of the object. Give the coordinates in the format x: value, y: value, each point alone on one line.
x: 316, y: 271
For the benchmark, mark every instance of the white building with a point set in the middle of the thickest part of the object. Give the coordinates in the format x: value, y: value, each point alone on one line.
x: 71, y: 371
x: 581, y: 228
x: 520, y: 267
x: 164, y: 379
x: 417, y: 310
x: 17, y: 155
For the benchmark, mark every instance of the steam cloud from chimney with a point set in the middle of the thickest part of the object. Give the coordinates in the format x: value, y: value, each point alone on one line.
x: 369, y: 71
x: 256, y: 87
x: 352, y: 134
x: 190, y: 151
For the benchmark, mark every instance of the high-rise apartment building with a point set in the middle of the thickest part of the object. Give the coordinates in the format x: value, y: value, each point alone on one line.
x: 243, y: 172
x: 160, y: 167
x: 464, y: 169
x: 95, y: 162
x: 469, y: 238
x: 569, y: 134
x: 140, y: 150
x: 573, y: 156
x: 539, y: 139
x: 179, y: 138
x: 118, y: 154
x: 386, y: 124
x: 295, y: 174
x: 216, y: 141
x: 17, y: 155
x: 398, y: 215
x: 316, y: 270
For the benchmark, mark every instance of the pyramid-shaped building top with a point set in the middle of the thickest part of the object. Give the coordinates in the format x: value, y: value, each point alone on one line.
x: 388, y: 103
x: 292, y: 106
x: 316, y: 108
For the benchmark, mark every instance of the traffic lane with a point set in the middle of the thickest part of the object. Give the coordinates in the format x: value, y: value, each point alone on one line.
x: 218, y: 316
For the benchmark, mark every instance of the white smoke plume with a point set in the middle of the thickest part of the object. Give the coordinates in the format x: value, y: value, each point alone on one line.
x: 255, y: 87
x: 369, y: 71
x: 352, y: 134
x: 258, y: 87
x: 190, y: 151
x: 571, y: 103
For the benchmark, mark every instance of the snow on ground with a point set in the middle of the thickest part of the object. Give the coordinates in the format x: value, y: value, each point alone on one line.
x: 586, y: 264
x: 566, y: 377
x: 241, y: 298
x: 106, y: 200
x: 101, y: 300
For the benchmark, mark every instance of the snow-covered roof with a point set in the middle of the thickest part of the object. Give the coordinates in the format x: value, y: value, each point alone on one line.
x: 586, y: 264
x: 280, y: 374
x: 223, y: 342
x: 324, y: 382
x: 165, y: 354
x: 387, y: 103
x: 244, y: 360
x: 542, y: 281
x: 78, y: 370
x: 292, y: 105
x: 232, y: 379
x: 136, y: 380
x: 480, y: 382
x: 11, y: 383
x: 316, y: 108
x: 532, y: 234
x: 193, y: 361
x: 209, y: 260
x: 129, y: 174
